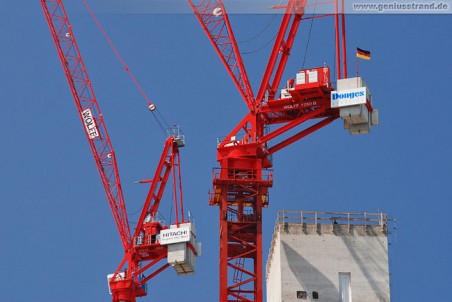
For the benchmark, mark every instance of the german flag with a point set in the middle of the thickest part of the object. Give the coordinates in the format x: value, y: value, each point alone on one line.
x: 362, y: 54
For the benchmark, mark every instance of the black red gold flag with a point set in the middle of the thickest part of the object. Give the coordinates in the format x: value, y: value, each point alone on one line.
x: 362, y: 54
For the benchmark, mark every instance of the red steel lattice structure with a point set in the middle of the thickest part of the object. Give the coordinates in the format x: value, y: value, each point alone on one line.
x: 240, y: 185
x: 142, y: 251
x: 89, y: 112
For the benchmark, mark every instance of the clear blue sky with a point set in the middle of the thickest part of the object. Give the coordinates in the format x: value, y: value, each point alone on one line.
x: 58, y: 239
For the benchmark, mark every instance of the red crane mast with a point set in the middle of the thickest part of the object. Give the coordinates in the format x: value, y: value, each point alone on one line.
x: 152, y: 240
x: 240, y: 185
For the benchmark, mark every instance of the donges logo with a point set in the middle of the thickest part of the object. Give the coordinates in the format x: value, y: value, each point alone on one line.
x: 348, y: 97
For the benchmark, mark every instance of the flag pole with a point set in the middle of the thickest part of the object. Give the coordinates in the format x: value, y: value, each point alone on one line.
x: 356, y: 70
x: 361, y: 54
x: 356, y: 66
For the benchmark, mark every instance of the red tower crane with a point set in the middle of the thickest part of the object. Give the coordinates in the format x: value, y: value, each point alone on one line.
x: 152, y: 240
x: 240, y: 185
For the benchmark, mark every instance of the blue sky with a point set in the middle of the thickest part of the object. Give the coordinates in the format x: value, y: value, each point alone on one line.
x: 58, y: 237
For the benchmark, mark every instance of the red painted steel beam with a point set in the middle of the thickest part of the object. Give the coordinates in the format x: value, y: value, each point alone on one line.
x: 248, y: 126
x: 292, y: 124
x: 301, y: 134
x: 265, y: 84
x: 337, y: 43
x: 89, y: 112
x: 281, y: 49
x: 344, y: 46
x: 285, y: 52
x: 214, y: 20
x: 158, y: 271
x: 158, y: 183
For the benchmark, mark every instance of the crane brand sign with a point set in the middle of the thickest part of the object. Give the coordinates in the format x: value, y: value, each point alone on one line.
x: 349, y: 97
x: 90, y: 124
x: 174, y: 235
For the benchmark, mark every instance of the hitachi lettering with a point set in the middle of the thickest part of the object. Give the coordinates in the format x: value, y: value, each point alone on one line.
x: 90, y: 124
x: 173, y: 234
x: 348, y: 95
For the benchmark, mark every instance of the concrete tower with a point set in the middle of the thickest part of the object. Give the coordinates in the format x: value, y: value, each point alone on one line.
x: 328, y: 257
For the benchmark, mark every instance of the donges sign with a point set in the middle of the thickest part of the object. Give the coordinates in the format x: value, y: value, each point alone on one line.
x: 348, y: 97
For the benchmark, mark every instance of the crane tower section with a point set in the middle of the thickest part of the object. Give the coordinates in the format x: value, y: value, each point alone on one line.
x: 241, y: 184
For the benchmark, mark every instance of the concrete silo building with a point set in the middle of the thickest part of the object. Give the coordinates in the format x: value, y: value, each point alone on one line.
x: 329, y: 257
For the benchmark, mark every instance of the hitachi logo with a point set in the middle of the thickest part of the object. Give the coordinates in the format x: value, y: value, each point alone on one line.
x: 346, y: 95
x: 173, y: 234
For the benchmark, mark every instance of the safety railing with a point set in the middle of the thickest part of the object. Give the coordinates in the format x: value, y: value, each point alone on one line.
x: 350, y: 218
x: 315, y: 218
x: 246, y: 216
x: 145, y: 240
x: 237, y: 174
x: 177, y: 133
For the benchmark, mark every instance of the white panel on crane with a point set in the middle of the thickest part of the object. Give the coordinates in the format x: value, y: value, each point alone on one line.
x: 285, y: 94
x: 354, y: 100
x: 301, y: 77
x: 313, y: 76
x: 181, y: 255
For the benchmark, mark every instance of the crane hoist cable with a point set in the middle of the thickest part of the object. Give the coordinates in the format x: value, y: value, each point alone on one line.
x: 260, y: 48
x: 309, y: 35
x: 151, y: 106
x: 260, y: 33
x: 263, y: 30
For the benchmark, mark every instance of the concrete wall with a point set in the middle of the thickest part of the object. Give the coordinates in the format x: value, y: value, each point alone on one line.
x: 275, y: 277
x: 309, y: 257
